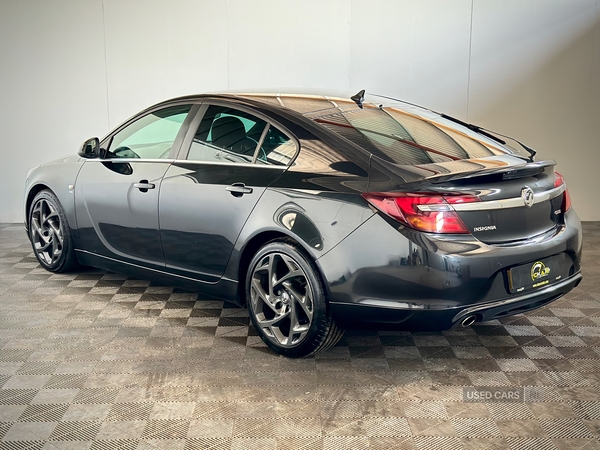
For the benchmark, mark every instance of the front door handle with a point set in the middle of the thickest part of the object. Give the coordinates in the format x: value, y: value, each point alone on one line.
x: 239, y: 189
x: 143, y: 185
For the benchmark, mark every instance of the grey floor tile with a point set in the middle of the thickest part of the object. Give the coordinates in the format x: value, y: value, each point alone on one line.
x: 29, y: 431
x: 101, y: 361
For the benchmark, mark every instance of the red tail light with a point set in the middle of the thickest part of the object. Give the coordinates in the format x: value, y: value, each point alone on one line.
x: 560, y: 181
x: 423, y: 212
x: 566, y: 203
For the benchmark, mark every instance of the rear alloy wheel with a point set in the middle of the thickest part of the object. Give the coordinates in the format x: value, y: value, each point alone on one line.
x: 50, y: 234
x: 286, y: 301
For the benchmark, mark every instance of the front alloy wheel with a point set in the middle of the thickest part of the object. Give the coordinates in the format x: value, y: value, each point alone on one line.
x: 286, y: 301
x: 50, y: 234
x: 46, y: 232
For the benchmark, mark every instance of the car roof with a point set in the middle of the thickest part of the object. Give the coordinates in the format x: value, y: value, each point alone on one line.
x: 305, y: 101
x: 370, y: 124
x: 311, y: 101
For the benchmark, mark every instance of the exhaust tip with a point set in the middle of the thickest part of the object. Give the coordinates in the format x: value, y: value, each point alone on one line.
x: 468, y: 321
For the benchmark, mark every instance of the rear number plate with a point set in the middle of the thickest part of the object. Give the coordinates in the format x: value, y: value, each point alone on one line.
x: 538, y: 274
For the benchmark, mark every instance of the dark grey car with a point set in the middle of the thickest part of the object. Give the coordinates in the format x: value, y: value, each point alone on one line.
x: 315, y: 212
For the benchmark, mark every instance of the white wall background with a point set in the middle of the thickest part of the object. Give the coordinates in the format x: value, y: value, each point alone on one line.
x: 71, y: 69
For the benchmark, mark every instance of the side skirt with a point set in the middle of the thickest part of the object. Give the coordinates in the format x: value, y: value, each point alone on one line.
x: 224, y: 289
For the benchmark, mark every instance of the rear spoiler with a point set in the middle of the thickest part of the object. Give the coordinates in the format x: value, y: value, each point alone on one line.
x: 382, y: 173
x: 508, y: 173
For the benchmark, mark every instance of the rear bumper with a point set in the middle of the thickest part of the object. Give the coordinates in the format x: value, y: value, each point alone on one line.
x: 387, y: 275
x: 519, y: 304
x: 415, y: 318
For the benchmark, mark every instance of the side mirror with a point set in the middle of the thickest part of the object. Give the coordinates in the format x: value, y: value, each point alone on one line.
x: 90, y: 148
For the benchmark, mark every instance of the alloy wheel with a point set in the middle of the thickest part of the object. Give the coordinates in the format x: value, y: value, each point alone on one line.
x: 281, y: 299
x: 46, y: 232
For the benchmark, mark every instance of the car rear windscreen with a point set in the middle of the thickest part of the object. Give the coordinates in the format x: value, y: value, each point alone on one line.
x: 404, y: 138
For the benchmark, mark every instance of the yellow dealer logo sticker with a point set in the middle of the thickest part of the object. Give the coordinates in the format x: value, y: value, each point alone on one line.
x: 539, y: 270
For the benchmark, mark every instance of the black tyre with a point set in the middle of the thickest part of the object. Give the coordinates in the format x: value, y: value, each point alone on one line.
x: 50, y: 234
x: 287, y: 303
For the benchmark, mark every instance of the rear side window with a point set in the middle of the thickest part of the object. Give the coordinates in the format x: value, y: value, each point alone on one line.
x: 226, y: 135
x: 276, y: 149
x: 230, y: 135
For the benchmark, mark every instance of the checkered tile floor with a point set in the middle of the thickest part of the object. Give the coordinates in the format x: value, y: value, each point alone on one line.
x: 101, y: 361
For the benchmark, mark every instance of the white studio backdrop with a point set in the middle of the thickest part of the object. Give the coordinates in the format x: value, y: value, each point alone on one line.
x: 72, y: 69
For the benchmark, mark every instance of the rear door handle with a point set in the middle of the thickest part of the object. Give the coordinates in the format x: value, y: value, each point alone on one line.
x: 239, y: 189
x: 143, y: 185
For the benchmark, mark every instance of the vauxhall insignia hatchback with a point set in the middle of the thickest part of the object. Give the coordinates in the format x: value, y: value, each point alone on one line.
x: 315, y: 212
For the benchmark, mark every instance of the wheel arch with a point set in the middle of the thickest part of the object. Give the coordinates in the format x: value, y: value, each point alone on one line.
x: 35, y: 189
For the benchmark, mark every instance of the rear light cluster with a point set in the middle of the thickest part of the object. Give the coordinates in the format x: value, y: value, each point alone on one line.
x: 560, y: 181
x: 423, y: 212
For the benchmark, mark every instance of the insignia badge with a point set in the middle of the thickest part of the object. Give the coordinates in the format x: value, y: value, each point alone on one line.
x: 527, y: 195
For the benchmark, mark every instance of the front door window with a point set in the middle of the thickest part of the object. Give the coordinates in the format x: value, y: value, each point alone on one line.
x: 150, y: 137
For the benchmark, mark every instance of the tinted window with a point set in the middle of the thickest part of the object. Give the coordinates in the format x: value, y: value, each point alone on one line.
x: 150, y: 137
x: 226, y: 135
x: 230, y: 135
x: 276, y: 149
x: 392, y: 133
x: 404, y: 138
